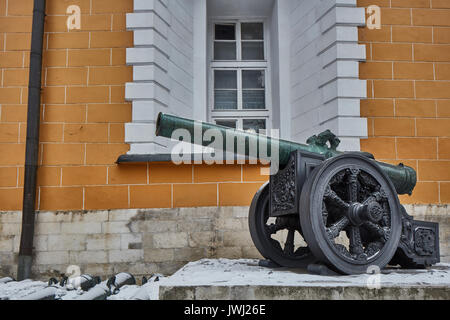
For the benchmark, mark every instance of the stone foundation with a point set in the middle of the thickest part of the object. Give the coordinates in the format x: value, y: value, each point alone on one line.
x: 146, y: 241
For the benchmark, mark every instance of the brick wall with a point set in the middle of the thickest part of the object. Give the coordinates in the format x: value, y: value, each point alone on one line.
x: 84, y: 111
x: 408, y: 110
x: 139, y: 241
x: 83, y: 116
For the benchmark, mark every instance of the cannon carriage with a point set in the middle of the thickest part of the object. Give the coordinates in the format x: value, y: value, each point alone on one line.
x: 324, y: 206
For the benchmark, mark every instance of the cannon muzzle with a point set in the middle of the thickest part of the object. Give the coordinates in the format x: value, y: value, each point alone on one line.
x: 242, y: 143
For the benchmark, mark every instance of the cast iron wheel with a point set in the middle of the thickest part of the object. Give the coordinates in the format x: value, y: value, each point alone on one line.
x: 350, y: 214
x: 261, y: 230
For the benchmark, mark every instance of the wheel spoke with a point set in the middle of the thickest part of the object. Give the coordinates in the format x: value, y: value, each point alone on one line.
x: 274, y: 228
x: 330, y: 195
x: 334, y: 231
x: 289, y: 244
x: 381, y: 233
x: 324, y: 213
x: 356, y: 247
x: 373, y: 248
x: 353, y: 185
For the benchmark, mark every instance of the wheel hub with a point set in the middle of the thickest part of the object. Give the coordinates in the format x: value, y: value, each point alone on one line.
x: 359, y: 213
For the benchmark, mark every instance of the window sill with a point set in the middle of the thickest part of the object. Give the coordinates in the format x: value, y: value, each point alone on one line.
x: 144, y: 158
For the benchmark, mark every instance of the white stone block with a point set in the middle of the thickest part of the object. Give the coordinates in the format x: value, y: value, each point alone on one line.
x: 52, y: 258
x: 117, y: 256
x: 339, y: 107
x: 139, y: 132
x: 326, y: 5
x: 88, y: 257
x: 144, y: 20
x: 353, y: 127
x: 170, y: 240
x: 151, y: 73
x: 338, y: 34
x: 155, y: 6
x: 11, y: 229
x: 140, y: 56
x: 40, y: 243
x: 349, y: 144
x: 50, y: 216
x: 146, y: 91
x: 47, y: 228
x: 339, y: 69
x: 122, y: 215
x: 128, y: 239
x: 201, y: 239
x: 343, y: 51
x: 63, y: 242
x: 159, y: 255
x: 6, y: 244
x: 147, y: 111
x: 90, y: 216
x: 236, y: 238
x: 345, y: 88
x: 343, y: 16
x: 81, y: 227
x: 201, y: 212
x: 147, y: 148
x: 117, y: 227
x: 158, y: 226
x: 149, y: 37
x: 10, y: 217
x: 103, y: 242
x: 350, y: 127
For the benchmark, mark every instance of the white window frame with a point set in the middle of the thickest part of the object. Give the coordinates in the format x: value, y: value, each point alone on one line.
x: 239, y: 114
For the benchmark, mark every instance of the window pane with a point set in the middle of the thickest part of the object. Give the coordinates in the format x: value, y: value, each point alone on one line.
x: 225, y: 32
x: 253, y: 79
x: 254, y: 124
x: 225, y: 79
x: 225, y: 99
x: 224, y: 50
x: 252, y: 50
x: 253, y: 99
x: 252, y: 31
x: 227, y: 123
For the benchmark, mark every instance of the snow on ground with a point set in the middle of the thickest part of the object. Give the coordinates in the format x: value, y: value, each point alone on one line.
x: 224, y: 272
x: 16, y: 290
x: 125, y: 293
x: 244, y: 272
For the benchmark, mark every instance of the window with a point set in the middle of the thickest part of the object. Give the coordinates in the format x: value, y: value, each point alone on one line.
x: 239, y: 92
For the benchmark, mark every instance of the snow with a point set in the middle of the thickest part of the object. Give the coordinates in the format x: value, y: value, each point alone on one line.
x: 16, y: 290
x: 244, y: 272
x: 125, y: 293
x: 224, y: 272
x: 19, y: 290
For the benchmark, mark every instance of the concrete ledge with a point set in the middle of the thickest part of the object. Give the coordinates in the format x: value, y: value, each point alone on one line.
x: 302, y: 293
x: 244, y: 280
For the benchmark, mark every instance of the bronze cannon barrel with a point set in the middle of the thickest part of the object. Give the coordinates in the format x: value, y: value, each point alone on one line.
x: 403, y: 177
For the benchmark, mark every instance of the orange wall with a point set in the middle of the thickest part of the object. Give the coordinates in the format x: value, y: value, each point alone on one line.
x: 84, y: 111
x: 408, y: 105
x: 83, y: 116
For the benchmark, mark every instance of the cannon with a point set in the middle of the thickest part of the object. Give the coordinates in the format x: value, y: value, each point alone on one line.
x: 340, y: 209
